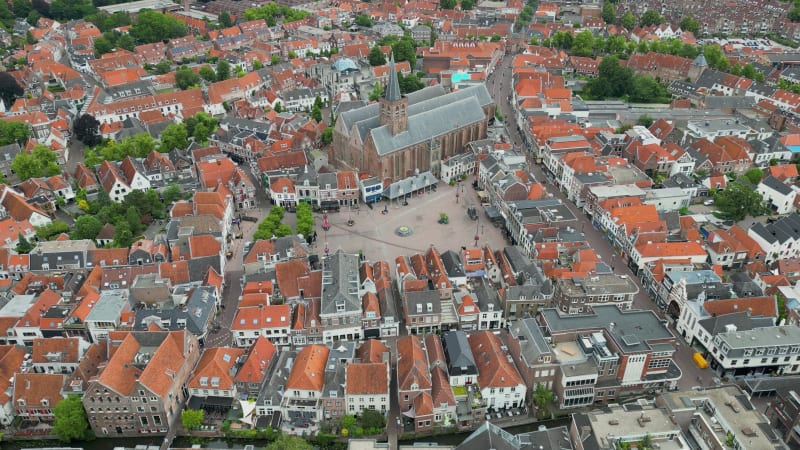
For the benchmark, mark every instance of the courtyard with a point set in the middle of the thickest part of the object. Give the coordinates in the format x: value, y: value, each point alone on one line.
x: 393, y: 228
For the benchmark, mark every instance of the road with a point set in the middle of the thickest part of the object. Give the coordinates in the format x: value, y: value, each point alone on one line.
x: 499, y: 84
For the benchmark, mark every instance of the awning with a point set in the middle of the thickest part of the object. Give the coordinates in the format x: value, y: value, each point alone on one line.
x: 492, y: 212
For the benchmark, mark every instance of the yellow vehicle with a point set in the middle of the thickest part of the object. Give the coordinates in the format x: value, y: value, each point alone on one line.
x: 700, y: 361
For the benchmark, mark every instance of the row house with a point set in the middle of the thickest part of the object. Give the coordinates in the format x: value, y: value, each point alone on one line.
x: 779, y: 197
x: 763, y: 350
x: 646, y: 252
x: 141, y: 389
x: 582, y: 294
x: 271, y: 321
x: 257, y: 363
x: 36, y: 396
x: 57, y: 355
x: 500, y: 384
x: 301, y: 402
x: 16, y: 206
x: 701, y: 319
x: 533, y: 355
x: 12, y: 359
x: 609, y: 353
x: 367, y: 387
x: 181, y: 103
x: 777, y: 240
x: 262, y: 255
x: 214, y: 377
x: 340, y: 305
x: 414, y: 383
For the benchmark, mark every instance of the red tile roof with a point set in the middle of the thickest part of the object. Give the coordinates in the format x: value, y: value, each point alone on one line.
x: 366, y: 379
x: 257, y: 363
x: 757, y: 306
x: 494, y: 368
x: 308, y: 372
x: 215, y: 367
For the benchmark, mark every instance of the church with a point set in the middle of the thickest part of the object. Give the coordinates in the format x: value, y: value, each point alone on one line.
x: 400, y: 135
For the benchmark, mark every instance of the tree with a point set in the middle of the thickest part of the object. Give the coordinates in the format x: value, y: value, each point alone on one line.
x: 123, y: 236
x: 22, y: 8
x: 609, y: 13
x: 87, y: 130
x: 286, y: 442
x: 613, y: 79
x: 689, y: 23
x: 23, y: 245
x: 646, y: 89
x: 41, y: 162
x: 10, y: 90
x: 174, y: 136
x: 376, y: 93
x: 225, y: 20
x: 316, y: 113
x: 363, y: 20
x: 152, y: 26
x: 86, y: 227
x: 542, y: 398
x: 738, y: 201
x: 376, y: 57
x: 257, y: 65
x: 583, y: 43
x: 754, y: 175
x: 467, y: 5
x: 650, y: 17
x: 404, y: 51
x: 65, y: 10
x: 271, y: 12
x: 628, y: 20
x: 447, y: 4
x: 207, y: 73
x: 200, y: 127
x: 11, y: 132
x: 171, y: 193
x: 71, y: 423
x: 192, y: 418
x: 371, y: 419
x: 348, y: 421
x: 186, y: 78
x: 644, y: 120
x: 409, y: 83
x: 327, y: 135
x: 305, y: 220
x: 223, y: 70
x: 715, y: 57
x: 55, y: 228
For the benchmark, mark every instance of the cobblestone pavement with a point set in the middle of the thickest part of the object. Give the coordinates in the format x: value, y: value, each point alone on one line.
x: 375, y: 233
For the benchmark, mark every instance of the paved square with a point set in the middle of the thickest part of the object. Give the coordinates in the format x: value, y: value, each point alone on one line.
x: 375, y: 234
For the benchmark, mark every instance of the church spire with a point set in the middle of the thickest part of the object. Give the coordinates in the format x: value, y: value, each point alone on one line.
x: 393, y: 86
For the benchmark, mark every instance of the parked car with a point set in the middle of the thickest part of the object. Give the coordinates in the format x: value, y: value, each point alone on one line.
x: 709, y: 202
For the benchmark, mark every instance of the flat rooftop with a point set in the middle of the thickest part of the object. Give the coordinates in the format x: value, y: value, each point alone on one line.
x: 135, y: 7
x: 615, y: 423
x: 731, y: 411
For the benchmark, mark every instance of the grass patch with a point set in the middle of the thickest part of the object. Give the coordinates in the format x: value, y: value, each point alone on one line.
x: 459, y: 390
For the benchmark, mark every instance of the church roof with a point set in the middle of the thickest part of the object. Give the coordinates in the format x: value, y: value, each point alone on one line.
x: 431, y: 113
x: 393, y: 86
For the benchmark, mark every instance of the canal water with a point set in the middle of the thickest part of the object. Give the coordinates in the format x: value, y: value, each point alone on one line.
x: 111, y: 443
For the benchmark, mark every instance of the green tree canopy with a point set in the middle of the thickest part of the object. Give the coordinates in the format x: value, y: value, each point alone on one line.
x: 689, y: 23
x: 754, y: 175
x: 651, y: 17
x: 200, y: 127
x: 583, y: 43
x: 208, y: 74
x: 152, y: 26
x: 23, y: 245
x: 40, y: 163
x: 192, y: 418
x: 404, y: 51
x: 409, y: 83
x: 613, y: 79
x: 738, y: 201
x: 286, y: 442
x: 363, y: 20
x: 225, y: 20
x: 71, y: 423
x: 467, y: 5
x: 609, y: 13
x: 542, y: 398
x: 223, y: 70
x: 64, y: 10
x: 271, y: 13
x: 86, y: 227
x: 448, y: 4
x: 174, y: 136
x: 628, y: 20
x: 376, y: 57
x: 186, y: 78
x: 87, y: 130
x: 11, y: 132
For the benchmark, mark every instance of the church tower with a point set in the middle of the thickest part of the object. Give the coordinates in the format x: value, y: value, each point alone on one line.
x: 394, y: 107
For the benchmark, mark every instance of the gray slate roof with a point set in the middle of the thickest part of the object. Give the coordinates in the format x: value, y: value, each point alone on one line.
x: 460, y: 360
x: 339, y: 269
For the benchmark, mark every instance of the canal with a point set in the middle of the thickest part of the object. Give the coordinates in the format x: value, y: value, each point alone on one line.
x: 181, y: 442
